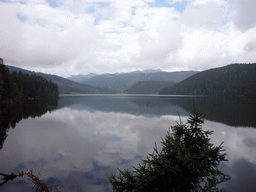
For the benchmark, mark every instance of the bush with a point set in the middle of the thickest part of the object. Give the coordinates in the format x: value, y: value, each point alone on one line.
x: 187, y: 162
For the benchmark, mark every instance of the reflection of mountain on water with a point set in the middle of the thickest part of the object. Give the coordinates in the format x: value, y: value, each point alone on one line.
x: 137, y: 105
x: 13, y: 113
x: 231, y: 111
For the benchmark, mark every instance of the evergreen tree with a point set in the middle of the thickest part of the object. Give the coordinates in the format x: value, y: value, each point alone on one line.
x: 20, y: 87
x: 4, y: 82
x: 187, y: 162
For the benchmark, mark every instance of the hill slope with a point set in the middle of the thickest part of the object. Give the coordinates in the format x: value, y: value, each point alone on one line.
x: 147, y: 87
x: 234, y: 79
x: 65, y: 86
x: 80, y: 78
x: 122, y: 81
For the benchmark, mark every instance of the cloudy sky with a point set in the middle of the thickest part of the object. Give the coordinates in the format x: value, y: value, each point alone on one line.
x: 70, y: 37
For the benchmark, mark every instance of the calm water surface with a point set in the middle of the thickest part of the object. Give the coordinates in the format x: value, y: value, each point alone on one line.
x: 76, y: 146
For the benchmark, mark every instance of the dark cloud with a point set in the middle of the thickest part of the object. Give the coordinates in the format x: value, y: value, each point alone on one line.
x: 245, y: 18
x: 250, y: 46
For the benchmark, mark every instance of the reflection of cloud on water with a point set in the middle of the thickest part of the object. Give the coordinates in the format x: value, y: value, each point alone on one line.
x: 66, y: 144
x: 236, y: 140
x: 244, y: 174
x: 79, y: 149
x: 250, y: 142
x: 241, y: 154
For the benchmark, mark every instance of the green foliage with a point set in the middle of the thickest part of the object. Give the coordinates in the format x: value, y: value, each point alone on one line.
x: 235, y: 79
x: 20, y: 87
x: 187, y: 162
x: 147, y: 87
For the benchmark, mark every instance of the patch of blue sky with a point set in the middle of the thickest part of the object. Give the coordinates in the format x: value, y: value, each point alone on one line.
x: 97, y: 20
x: 23, y: 2
x: 54, y: 3
x: 139, y: 29
x: 103, y: 5
x: 5, y: 1
x: 133, y: 10
x: 94, y: 6
x: 125, y: 24
x: 179, y: 6
x: 227, y: 18
x: 40, y: 22
x: 21, y: 17
x: 60, y: 28
x: 116, y: 32
x: 159, y: 3
x: 91, y: 10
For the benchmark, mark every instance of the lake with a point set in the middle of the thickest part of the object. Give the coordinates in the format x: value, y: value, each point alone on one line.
x: 77, y: 145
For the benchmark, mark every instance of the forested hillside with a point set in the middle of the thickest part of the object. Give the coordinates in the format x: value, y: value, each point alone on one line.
x: 20, y: 87
x: 122, y: 81
x: 65, y: 86
x: 147, y: 87
x: 234, y: 79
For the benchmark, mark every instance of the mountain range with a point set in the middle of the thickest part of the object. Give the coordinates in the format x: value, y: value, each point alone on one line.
x: 112, y: 83
x: 120, y: 82
x: 233, y: 79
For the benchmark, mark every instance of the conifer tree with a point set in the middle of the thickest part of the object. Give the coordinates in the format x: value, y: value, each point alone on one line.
x: 187, y: 162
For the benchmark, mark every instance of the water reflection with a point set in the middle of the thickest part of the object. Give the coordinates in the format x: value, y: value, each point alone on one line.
x: 78, y: 145
x: 132, y: 104
x: 233, y: 111
x: 11, y: 114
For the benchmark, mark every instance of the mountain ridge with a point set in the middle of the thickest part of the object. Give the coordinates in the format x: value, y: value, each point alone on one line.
x: 122, y: 81
x: 147, y: 87
x: 65, y: 86
x: 232, y: 79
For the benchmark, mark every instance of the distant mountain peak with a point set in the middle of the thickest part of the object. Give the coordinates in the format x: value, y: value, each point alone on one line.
x: 151, y: 70
x: 81, y: 77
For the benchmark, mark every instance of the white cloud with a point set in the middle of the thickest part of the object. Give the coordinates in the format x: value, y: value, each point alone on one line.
x: 208, y: 15
x: 48, y: 37
x: 76, y: 36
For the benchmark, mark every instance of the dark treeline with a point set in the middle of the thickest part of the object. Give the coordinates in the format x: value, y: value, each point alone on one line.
x: 231, y: 80
x: 23, y: 96
x: 19, y: 87
x: 148, y: 87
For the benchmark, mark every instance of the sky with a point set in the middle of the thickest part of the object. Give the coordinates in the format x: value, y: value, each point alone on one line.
x: 71, y: 37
